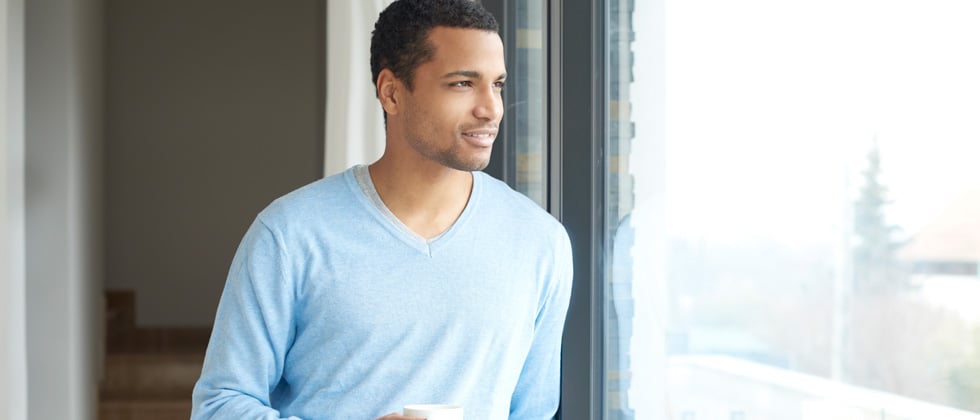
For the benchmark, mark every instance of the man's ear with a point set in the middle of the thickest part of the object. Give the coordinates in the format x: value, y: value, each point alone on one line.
x: 389, y: 91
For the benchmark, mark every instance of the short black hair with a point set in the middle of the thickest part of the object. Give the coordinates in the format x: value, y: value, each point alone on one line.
x: 400, y: 43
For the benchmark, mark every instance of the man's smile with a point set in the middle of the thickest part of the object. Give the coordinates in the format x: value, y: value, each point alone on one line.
x: 481, y: 137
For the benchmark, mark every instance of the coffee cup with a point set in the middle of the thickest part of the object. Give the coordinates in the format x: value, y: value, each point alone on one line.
x: 434, y: 411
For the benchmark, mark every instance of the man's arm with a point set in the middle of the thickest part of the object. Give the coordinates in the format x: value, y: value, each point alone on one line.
x: 252, y: 331
x: 539, y: 387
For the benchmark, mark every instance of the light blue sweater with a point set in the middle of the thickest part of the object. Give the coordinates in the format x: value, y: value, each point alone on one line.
x: 334, y: 310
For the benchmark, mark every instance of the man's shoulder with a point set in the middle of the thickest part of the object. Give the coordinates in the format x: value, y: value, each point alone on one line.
x: 316, y: 198
x: 518, y: 208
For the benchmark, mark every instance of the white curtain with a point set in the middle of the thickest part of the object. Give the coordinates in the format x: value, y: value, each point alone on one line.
x: 355, y: 128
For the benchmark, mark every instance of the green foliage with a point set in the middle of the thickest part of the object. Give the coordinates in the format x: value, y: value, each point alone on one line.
x: 964, y: 378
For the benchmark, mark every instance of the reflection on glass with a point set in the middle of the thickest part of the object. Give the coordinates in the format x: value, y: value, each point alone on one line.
x: 528, y: 109
x: 793, y: 210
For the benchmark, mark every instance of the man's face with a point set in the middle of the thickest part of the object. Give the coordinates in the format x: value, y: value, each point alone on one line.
x: 455, y: 108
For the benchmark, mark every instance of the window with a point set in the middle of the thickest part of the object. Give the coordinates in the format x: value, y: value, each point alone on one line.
x: 521, y: 154
x: 789, y: 210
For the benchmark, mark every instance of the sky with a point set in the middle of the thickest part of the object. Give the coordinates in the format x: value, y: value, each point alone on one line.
x: 772, y: 106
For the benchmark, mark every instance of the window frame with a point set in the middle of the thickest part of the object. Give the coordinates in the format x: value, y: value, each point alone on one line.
x: 577, y: 109
x: 576, y: 121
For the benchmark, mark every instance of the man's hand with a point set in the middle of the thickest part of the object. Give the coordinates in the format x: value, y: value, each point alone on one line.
x: 396, y: 416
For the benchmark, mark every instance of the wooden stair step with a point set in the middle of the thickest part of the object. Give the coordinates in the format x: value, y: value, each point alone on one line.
x: 145, y: 409
x: 150, y: 375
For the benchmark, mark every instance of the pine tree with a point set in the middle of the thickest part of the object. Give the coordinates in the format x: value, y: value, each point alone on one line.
x: 875, y: 268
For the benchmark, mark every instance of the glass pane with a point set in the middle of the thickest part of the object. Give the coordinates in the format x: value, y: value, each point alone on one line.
x: 527, y: 111
x: 793, y: 210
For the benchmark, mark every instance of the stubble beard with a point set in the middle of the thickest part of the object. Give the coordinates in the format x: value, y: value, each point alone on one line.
x: 455, y: 158
x: 425, y: 141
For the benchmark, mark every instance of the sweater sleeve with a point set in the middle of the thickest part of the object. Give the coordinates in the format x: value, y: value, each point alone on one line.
x: 252, y: 331
x: 538, y: 389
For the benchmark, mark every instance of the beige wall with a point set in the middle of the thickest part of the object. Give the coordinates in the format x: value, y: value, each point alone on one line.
x: 13, y: 338
x: 213, y: 110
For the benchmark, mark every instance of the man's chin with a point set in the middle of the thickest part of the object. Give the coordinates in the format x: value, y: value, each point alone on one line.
x: 476, y: 164
x: 479, y: 166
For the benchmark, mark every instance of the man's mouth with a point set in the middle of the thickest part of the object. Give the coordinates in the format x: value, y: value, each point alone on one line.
x: 482, y: 138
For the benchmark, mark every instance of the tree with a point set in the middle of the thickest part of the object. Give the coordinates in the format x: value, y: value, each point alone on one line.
x: 964, y: 377
x: 875, y: 268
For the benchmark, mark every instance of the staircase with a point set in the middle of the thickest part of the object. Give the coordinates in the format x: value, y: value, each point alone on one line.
x: 149, y: 372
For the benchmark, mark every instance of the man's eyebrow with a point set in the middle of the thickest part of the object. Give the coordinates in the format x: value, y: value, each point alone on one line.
x: 472, y: 74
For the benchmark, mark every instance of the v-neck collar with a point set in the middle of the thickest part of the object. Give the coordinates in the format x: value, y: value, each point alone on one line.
x: 359, y: 179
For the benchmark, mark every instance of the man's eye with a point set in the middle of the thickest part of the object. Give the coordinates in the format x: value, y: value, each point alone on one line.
x: 498, y: 85
x: 461, y: 84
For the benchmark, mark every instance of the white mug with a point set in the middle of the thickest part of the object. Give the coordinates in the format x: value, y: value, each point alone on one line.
x: 434, y: 411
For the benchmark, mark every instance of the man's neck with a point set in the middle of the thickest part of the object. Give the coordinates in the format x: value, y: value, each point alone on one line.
x: 425, y: 196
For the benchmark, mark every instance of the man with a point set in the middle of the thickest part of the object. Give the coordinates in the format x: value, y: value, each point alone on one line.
x: 417, y: 279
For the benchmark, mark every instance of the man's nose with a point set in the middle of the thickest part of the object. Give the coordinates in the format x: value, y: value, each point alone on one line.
x: 490, y: 106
